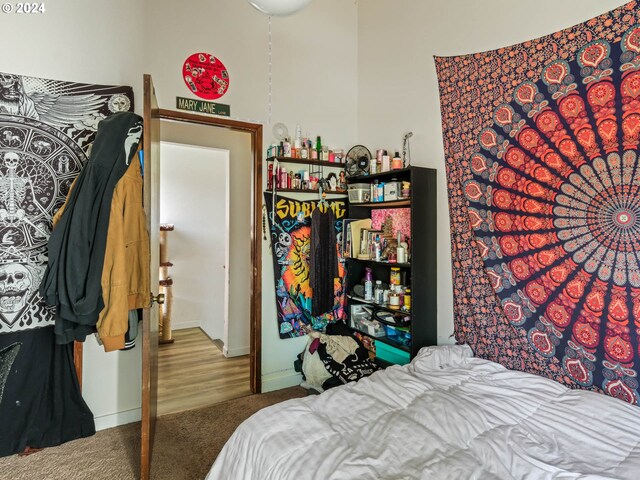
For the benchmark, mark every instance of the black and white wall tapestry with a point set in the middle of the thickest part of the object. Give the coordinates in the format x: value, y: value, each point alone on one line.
x: 46, y: 131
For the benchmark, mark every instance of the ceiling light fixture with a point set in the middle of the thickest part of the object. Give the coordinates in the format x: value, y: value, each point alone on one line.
x: 279, y: 8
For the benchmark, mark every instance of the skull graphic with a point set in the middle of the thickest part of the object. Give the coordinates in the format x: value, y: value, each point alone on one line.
x: 11, y: 159
x: 15, y: 285
x: 10, y: 87
x: 284, y: 239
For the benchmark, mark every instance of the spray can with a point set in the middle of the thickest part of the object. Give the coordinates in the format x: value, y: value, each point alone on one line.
x: 368, y: 285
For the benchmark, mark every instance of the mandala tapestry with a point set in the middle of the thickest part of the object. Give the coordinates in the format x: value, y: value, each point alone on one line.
x: 290, y: 228
x: 541, y: 144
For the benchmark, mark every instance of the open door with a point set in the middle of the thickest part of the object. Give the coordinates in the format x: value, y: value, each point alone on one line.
x: 151, y: 144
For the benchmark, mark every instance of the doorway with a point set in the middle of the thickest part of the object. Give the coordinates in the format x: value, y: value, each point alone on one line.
x: 251, y: 174
x: 202, y: 359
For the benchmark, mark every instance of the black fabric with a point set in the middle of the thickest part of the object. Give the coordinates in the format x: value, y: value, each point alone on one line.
x: 135, y: 317
x: 323, y: 264
x: 46, y: 388
x: 355, y: 366
x: 72, y: 281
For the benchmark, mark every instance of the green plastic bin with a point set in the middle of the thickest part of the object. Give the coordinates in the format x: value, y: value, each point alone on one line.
x: 391, y: 354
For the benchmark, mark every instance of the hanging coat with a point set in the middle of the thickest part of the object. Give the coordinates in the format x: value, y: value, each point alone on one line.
x: 72, y: 281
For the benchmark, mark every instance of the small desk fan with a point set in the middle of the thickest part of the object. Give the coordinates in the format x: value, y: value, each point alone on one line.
x: 358, y: 158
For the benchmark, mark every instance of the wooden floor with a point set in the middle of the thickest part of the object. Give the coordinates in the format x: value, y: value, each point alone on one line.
x: 193, y: 373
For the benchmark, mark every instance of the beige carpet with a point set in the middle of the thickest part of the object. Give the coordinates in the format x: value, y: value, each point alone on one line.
x: 186, y: 445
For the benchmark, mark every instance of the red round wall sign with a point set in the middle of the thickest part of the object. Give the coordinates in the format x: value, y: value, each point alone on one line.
x: 205, y: 75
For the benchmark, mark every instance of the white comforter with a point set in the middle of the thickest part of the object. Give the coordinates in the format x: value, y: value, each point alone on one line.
x: 444, y: 416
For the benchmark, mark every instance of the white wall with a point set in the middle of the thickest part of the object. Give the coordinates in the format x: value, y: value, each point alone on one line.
x: 75, y: 40
x: 239, y: 264
x: 314, y: 83
x: 193, y: 197
x: 398, y: 88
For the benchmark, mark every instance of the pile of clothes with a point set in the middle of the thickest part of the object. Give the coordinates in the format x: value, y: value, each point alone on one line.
x: 333, y: 358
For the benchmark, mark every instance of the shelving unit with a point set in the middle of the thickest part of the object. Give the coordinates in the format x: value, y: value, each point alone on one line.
x: 306, y: 190
x: 319, y: 164
x: 419, y: 272
x: 306, y: 161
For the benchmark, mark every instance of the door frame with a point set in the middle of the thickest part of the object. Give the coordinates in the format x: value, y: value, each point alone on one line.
x: 255, y: 130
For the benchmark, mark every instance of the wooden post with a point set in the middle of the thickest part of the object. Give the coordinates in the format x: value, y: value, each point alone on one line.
x: 166, y: 282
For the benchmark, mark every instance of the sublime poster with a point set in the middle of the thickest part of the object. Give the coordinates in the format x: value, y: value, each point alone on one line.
x: 290, y: 229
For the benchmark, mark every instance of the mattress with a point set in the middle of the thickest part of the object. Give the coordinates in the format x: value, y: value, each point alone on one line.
x: 446, y: 415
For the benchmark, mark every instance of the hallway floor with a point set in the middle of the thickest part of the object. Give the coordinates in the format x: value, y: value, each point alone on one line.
x: 193, y: 373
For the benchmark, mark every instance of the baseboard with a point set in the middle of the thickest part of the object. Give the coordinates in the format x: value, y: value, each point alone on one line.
x: 184, y: 325
x: 280, y: 380
x: 235, y: 352
x: 116, y: 419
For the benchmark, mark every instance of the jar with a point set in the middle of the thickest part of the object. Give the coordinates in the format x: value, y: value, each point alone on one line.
x: 407, y: 299
x: 394, y: 276
x: 394, y: 301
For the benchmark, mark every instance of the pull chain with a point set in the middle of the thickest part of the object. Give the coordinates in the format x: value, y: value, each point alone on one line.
x: 264, y: 221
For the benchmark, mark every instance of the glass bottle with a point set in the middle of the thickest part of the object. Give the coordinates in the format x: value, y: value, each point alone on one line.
x: 378, y: 293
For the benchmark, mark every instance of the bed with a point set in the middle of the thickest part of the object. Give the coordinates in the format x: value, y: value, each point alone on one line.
x: 446, y: 415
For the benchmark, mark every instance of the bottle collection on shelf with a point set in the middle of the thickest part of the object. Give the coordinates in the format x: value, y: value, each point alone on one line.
x: 396, y: 297
x: 382, y: 162
x: 303, y: 148
x: 375, y: 246
x: 361, y: 241
x: 279, y: 178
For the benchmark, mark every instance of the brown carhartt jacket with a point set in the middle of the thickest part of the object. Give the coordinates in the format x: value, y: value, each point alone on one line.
x: 125, y: 274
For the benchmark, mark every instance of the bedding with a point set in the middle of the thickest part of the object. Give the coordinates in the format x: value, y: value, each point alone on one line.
x: 445, y: 415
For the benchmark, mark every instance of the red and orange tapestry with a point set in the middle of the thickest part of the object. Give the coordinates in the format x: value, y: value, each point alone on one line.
x: 541, y: 144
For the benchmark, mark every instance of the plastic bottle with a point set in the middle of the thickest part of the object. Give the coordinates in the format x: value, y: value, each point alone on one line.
x: 378, y: 293
x: 396, y: 163
x: 368, y: 285
x: 400, y: 250
x: 407, y: 300
x: 378, y: 249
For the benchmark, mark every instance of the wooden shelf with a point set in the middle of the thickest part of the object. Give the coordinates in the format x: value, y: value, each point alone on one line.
x: 300, y: 190
x: 378, y: 306
x: 383, y: 339
x: 393, y: 204
x: 365, y: 260
x: 420, y: 272
x: 401, y: 172
x: 306, y: 161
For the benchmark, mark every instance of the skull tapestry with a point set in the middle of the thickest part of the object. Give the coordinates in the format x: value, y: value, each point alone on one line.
x: 290, y: 227
x: 46, y: 130
x: 541, y: 145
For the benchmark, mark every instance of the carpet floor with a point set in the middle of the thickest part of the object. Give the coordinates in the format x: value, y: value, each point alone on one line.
x: 185, y: 447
